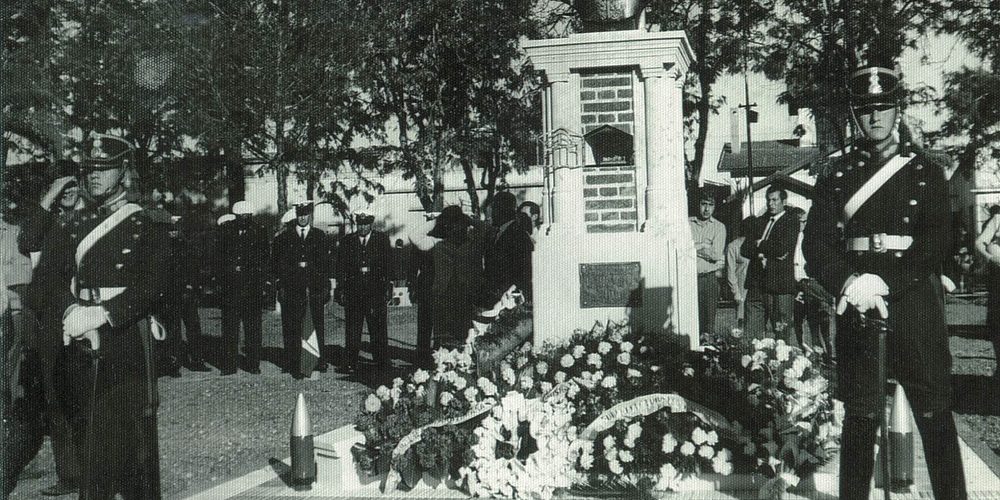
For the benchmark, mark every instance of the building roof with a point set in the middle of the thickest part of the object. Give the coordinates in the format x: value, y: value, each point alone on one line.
x: 768, y: 157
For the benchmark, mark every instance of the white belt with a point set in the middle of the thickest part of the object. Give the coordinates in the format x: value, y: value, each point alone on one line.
x: 103, y: 293
x: 880, y: 243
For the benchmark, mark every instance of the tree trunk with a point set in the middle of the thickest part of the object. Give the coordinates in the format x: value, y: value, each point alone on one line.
x: 706, y: 78
x: 233, y: 164
x: 470, y: 185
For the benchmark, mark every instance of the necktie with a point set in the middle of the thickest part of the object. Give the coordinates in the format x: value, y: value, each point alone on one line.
x: 767, y: 230
x: 302, y: 233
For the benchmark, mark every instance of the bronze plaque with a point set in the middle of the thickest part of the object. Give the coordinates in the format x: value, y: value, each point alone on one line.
x: 611, y: 284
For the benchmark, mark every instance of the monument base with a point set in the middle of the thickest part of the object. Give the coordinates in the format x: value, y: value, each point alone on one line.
x: 646, y: 278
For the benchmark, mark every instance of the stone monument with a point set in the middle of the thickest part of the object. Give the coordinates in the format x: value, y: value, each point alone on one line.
x: 618, y: 244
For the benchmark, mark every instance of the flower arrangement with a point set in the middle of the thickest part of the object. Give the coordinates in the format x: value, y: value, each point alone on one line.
x: 606, y: 409
x: 525, y: 448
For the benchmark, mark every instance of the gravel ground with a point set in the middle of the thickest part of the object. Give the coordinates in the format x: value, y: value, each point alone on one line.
x: 213, y: 429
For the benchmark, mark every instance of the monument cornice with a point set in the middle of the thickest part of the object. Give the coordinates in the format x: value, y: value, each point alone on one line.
x: 650, y: 51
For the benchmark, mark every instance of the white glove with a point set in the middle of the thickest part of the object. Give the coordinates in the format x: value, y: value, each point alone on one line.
x: 865, y: 293
x: 82, y: 319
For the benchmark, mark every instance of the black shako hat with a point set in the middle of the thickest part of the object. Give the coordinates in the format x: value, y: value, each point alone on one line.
x: 105, y: 152
x: 364, y: 219
x: 875, y: 85
x: 303, y: 208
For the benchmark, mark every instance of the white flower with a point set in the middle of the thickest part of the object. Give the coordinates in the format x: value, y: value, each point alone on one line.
x: 721, y: 463
x: 669, y: 443
x: 609, y: 382
x: 736, y: 332
x: 688, y: 372
x: 397, y: 382
x: 633, y: 432
x: 521, y: 361
x: 419, y: 393
x: 395, y: 393
x: 578, y: 351
x: 699, y: 436
x: 373, y: 403
x: 421, y: 376
x: 609, y: 442
x: 625, y: 456
x: 488, y: 387
x: 587, y: 455
x: 594, y: 360
x: 460, y: 383
x: 687, y: 449
x: 545, y: 386
x: 603, y: 348
x: 526, y: 382
x: 668, y: 478
x: 782, y: 351
x: 560, y: 377
x: 706, y: 451
x: 383, y: 392
x: 615, y: 467
x: 586, y: 375
x: 508, y: 375
x: 745, y: 360
x: 654, y: 368
x: 626, y: 346
x: 446, y: 398
x: 471, y: 393
x: 541, y: 368
x: 624, y: 358
x: 566, y: 361
x: 643, y: 350
x: 713, y: 438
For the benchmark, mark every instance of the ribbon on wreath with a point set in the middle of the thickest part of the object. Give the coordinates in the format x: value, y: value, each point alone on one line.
x: 652, y: 403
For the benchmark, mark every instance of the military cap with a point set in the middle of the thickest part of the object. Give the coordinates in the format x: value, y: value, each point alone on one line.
x: 105, y: 152
x: 304, y: 208
x: 226, y: 218
x: 288, y: 216
x: 875, y: 85
x: 242, y: 207
x: 363, y: 218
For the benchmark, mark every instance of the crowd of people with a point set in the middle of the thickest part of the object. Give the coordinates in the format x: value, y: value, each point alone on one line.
x: 102, y: 296
x: 765, y: 270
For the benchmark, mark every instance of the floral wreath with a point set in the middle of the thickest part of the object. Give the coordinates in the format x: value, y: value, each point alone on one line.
x: 506, y: 464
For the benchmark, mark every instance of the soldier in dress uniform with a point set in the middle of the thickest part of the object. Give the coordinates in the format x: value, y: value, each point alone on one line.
x: 879, y: 228
x: 243, y: 288
x: 101, y: 270
x: 185, y: 291
x: 300, y: 262
x: 364, y: 263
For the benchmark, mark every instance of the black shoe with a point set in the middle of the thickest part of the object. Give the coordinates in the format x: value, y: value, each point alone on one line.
x: 227, y: 372
x: 59, y: 489
x: 197, y: 365
x: 322, y: 367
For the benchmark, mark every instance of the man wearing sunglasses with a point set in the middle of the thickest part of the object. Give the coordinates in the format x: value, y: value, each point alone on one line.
x: 876, y: 236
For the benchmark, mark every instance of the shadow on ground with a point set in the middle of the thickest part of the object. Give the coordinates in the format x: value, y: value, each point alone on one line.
x: 976, y: 395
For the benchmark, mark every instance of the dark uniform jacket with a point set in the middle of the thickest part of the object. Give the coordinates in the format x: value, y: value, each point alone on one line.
x: 908, y: 204
x: 243, y: 273
x: 133, y: 256
x: 364, y: 271
x: 778, y: 275
x: 300, y: 265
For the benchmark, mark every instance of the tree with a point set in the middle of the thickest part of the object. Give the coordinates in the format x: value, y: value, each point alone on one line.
x: 717, y: 30
x: 813, y: 48
x: 445, y: 75
x: 30, y: 97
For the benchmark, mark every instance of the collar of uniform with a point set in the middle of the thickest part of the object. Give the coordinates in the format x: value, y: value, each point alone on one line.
x: 112, y: 205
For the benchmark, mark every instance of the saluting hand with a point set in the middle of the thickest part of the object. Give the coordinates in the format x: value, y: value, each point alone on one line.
x: 82, y: 319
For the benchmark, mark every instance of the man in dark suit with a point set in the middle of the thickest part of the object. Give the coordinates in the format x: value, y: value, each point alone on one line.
x: 101, y: 270
x: 243, y: 245
x: 419, y: 282
x: 878, y: 231
x: 508, y: 259
x: 364, y: 289
x: 771, y: 284
x: 300, y: 260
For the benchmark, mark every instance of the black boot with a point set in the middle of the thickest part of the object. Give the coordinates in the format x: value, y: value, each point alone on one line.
x: 857, y: 457
x: 944, y: 458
